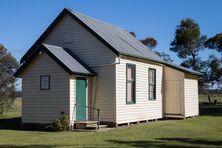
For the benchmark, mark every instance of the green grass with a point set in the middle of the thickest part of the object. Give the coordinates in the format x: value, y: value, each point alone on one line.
x: 203, y: 131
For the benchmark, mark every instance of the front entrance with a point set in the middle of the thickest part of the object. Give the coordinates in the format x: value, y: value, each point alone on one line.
x: 80, y: 99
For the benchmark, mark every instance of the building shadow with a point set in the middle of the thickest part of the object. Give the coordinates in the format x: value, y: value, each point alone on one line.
x: 169, y: 143
x: 11, y: 123
x: 210, y: 110
x: 51, y: 145
x: 139, y: 143
x: 192, y: 141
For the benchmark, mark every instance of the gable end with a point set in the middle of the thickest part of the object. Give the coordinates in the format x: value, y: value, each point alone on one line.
x: 54, y: 23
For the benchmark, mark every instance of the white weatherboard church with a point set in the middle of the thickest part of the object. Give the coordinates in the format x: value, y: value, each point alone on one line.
x: 80, y: 64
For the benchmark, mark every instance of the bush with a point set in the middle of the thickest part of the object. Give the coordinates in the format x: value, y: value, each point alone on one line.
x: 62, y: 123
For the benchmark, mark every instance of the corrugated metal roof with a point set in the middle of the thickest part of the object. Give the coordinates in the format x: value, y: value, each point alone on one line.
x: 118, y: 38
x: 68, y: 60
x: 126, y: 44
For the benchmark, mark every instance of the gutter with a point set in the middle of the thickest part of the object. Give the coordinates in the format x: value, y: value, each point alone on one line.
x: 164, y: 63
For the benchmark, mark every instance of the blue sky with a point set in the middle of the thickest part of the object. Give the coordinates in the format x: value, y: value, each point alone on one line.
x: 23, y: 21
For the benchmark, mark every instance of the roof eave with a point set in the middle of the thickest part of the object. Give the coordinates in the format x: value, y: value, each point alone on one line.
x: 163, y: 63
x: 43, y: 48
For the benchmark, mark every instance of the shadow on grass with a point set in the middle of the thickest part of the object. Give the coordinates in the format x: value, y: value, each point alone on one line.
x: 144, y: 143
x: 16, y: 124
x: 168, y: 142
x: 28, y: 146
x: 193, y: 141
x: 11, y: 123
x: 51, y: 145
x: 211, y: 110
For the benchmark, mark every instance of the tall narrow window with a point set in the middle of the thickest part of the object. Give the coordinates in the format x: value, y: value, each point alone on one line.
x: 152, y: 84
x: 130, y: 83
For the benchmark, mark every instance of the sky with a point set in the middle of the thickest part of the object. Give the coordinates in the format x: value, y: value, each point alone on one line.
x: 23, y: 21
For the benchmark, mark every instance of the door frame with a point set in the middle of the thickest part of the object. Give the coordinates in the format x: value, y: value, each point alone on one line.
x: 86, y: 79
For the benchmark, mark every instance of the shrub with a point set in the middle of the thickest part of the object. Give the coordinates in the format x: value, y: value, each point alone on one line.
x: 62, y: 123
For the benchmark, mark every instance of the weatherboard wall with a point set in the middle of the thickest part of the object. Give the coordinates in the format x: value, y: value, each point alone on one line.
x: 70, y: 34
x: 191, y: 97
x: 44, y: 106
x: 72, y: 98
x: 143, y: 109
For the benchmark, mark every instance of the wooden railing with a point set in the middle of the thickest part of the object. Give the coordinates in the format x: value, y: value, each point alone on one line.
x: 98, y: 113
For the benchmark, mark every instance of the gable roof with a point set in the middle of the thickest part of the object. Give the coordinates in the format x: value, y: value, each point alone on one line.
x: 120, y: 41
x: 67, y: 60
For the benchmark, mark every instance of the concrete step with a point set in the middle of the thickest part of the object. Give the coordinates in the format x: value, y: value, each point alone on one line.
x: 90, y: 125
x: 84, y: 124
x: 91, y: 130
x: 95, y: 126
x: 85, y: 130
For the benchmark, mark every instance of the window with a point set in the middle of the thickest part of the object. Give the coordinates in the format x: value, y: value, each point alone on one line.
x: 44, y: 82
x: 152, y: 84
x: 130, y: 83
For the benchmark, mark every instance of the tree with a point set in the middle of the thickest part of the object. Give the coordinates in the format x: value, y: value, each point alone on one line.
x: 152, y: 43
x: 133, y: 33
x: 188, y: 41
x: 215, y: 42
x: 212, y: 70
x: 8, y: 65
x: 215, y: 74
x: 149, y: 42
x: 164, y: 56
x: 188, y: 63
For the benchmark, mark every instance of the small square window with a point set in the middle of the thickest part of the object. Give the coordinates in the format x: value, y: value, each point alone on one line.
x: 44, y: 82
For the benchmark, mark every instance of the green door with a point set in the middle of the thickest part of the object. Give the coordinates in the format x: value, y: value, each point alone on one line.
x: 80, y: 99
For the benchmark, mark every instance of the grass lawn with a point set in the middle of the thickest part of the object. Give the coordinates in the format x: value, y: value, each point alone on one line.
x: 203, y: 131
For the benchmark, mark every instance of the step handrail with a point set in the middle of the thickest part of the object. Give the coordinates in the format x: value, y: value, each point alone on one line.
x: 98, y: 113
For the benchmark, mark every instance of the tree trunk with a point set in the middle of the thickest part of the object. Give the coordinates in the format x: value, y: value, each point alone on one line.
x: 209, y: 98
x: 194, y: 61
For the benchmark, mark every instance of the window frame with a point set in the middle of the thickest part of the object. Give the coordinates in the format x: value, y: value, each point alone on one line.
x: 133, y: 66
x: 48, y: 82
x: 149, y: 84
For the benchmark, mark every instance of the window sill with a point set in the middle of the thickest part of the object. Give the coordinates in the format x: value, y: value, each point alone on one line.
x: 128, y: 103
